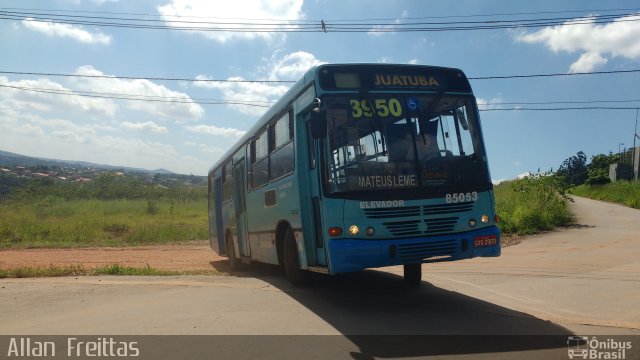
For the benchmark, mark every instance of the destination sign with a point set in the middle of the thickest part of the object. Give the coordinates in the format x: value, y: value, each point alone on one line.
x: 381, y: 80
x: 392, y: 77
x: 387, y: 181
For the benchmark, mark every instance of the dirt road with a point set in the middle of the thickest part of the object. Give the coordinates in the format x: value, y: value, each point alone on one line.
x: 193, y: 256
x: 579, y: 280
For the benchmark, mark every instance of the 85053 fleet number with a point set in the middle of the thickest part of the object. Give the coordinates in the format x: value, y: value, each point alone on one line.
x: 461, y: 197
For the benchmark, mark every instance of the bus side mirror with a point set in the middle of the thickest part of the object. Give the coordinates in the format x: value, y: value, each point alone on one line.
x: 318, y: 124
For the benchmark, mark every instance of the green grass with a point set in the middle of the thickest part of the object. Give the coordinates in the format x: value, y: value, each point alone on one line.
x: 79, y: 270
x: 56, y: 223
x: 621, y: 192
x: 530, y: 205
x: 526, y: 206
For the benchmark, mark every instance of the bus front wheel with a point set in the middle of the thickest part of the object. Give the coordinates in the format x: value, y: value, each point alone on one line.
x: 295, y: 275
x: 413, y: 274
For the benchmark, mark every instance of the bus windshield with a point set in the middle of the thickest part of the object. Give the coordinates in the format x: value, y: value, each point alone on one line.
x: 400, y: 143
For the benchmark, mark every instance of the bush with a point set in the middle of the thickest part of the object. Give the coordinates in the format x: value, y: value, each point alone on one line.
x: 152, y: 207
x: 622, y: 192
x: 117, y: 229
x: 535, y: 203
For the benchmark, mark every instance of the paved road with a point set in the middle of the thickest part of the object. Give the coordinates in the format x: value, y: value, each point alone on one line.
x: 582, y: 280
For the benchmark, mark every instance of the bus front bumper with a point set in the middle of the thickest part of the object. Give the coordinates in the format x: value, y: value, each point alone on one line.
x: 349, y: 255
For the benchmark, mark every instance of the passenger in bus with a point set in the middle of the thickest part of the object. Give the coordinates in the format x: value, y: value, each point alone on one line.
x: 427, y: 142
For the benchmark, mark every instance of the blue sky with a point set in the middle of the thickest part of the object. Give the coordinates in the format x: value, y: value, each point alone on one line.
x: 188, y: 137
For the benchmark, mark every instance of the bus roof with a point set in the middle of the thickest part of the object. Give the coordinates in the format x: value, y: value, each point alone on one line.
x: 356, y: 77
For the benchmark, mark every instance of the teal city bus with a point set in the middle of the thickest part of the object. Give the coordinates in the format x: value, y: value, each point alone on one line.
x: 358, y: 166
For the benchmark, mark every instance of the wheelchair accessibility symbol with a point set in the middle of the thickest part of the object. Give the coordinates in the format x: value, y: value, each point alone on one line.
x: 412, y: 104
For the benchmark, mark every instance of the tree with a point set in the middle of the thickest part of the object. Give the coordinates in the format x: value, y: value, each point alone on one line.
x: 598, y: 168
x: 574, y: 169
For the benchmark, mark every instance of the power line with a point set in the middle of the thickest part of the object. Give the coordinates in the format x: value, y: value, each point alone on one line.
x: 554, y: 74
x: 292, y: 81
x: 145, y: 78
x: 559, y: 102
x: 583, y: 11
x: 563, y: 108
x: 133, y: 97
x: 266, y: 104
x: 306, y: 26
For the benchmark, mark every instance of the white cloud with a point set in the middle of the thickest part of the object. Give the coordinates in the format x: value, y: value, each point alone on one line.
x: 149, y: 126
x: 596, y: 42
x: 288, y: 67
x: 28, y: 95
x: 379, y: 30
x: 247, y: 98
x: 183, y: 110
x: 484, y: 104
x: 74, y: 32
x: 587, y: 62
x: 292, y: 66
x: 217, y: 131
x: 30, y: 130
x: 65, y: 139
x: 90, y: 129
x: 237, y: 16
x: 206, y: 149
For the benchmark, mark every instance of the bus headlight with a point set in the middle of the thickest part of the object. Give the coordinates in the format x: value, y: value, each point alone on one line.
x: 370, y: 231
x: 354, y: 230
x: 485, y: 219
x: 472, y: 223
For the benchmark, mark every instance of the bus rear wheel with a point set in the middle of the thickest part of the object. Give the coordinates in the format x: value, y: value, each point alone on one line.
x: 413, y: 274
x: 292, y: 269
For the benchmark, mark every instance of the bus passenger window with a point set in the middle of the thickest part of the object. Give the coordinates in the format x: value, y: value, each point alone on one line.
x: 227, y: 182
x: 282, y: 130
x: 282, y: 158
x: 260, y: 161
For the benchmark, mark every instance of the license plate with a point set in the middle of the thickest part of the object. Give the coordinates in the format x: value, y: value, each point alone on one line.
x: 484, y: 241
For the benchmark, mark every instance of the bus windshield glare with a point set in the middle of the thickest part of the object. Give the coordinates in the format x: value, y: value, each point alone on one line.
x: 399, y: 142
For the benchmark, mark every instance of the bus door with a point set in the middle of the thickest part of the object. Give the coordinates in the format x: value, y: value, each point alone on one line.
x: 239, y: 172
x: 219, y: 228
x: 315, y: 184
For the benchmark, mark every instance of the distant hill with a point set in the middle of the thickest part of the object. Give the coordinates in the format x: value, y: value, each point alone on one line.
x: 12, y: 159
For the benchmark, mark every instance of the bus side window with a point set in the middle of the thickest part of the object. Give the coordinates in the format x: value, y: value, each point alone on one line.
x: 227, y: 182
x: 259, y: 161
x: 282, y: 157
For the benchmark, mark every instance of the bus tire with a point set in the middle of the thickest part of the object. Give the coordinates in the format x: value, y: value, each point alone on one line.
x: 292, y: 269
x: 231, y: 253
x: 413, y: 274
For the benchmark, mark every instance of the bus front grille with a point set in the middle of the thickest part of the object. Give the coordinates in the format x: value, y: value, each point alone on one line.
x: 447, y: 208
x: 392, y: 212
x: 420, y: 251
x: 424, y: 227
x: 440, y: 225
x: 409, y: 211
x: 403, y: 228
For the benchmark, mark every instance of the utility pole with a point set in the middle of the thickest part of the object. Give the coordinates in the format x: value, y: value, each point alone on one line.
x: 635, y: 164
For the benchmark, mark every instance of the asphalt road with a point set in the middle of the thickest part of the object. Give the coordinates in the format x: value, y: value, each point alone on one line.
x: 583, y: 280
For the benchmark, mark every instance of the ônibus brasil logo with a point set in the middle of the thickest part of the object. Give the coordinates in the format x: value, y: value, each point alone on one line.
x: 581, y: 347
